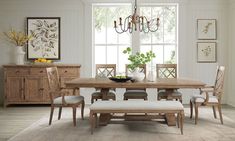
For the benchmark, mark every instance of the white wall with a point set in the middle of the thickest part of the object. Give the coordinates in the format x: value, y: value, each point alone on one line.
x: 76, y: 36
x: 231, y: 51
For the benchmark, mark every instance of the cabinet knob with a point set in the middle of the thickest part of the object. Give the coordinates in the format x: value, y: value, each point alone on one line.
x: 41, y: 71
x: 65, y: 71
x: 17, y: 71
x: 41, y: 89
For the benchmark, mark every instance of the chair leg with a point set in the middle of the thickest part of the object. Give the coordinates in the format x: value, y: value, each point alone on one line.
x: 60, y: 111
x: 92, y: 100
x: 82, y: 109
x: 51, y: 115
x: 178, y: 120
x: 196, y: 112
x: 191, y: 109
x: 214, y: 111
x: 74, y: 116
x: 220, y: 114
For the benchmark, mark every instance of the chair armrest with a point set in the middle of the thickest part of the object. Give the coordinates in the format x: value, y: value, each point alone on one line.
x: 60, y: 93
x: 207, y: 89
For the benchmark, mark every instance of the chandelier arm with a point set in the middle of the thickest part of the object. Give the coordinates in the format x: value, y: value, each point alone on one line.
x: 146, y: 30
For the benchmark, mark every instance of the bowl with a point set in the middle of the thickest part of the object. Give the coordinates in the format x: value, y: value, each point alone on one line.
x: 115, y: 79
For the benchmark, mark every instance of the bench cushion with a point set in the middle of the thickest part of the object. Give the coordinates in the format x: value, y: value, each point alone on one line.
x: 136, y: 105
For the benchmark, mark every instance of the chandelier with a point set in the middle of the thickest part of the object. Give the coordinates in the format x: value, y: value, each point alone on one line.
x: 136, y: 22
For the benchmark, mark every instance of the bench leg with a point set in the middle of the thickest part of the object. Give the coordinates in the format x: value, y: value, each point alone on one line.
x: 181, y: 122
x: 92, y: 121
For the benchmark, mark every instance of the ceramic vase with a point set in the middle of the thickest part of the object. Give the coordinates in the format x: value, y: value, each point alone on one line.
x: 19, y: 55
x: 137, y: 75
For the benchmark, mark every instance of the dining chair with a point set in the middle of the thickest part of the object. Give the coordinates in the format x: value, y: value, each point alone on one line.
x: 136, y: 93
x: 58, y: 97
x: 168, y: 71
x: 210, y: 96
x: 104, y: 71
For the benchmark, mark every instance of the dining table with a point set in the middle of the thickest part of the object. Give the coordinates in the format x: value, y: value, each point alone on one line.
x: 104, y: 84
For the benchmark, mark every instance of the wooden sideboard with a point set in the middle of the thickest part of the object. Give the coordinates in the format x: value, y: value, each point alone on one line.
x: 28, y: 84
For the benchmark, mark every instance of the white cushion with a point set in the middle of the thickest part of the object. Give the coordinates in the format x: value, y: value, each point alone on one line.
x: 69, y: 99
x: 202, y: 98
x: 137, y: 105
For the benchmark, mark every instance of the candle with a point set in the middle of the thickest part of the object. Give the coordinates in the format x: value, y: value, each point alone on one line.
x: 115, y: 24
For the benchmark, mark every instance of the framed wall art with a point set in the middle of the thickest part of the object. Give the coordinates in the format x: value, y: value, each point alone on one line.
x: 206, y: 52
x: 45, y: 40
x: 206, y: 29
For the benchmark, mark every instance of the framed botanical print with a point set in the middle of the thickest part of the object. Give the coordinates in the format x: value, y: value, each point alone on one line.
x: 206, y: 29
x: 45, y: 38
x: 206, y: 52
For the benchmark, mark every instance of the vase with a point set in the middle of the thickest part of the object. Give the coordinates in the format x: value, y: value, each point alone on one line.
x: 137, y: 75
x: 19, y: 55
x: 151, y: 76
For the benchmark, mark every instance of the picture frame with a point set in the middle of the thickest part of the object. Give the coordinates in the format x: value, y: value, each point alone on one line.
x: 206, y: 29
x: 45, y: 38
x: 206, y: 52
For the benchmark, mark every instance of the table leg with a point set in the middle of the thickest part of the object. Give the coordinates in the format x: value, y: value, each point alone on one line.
x: 170, y: 119
x: 104, y: 118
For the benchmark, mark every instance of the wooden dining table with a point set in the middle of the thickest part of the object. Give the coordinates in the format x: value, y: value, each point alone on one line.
x: 105, y: 84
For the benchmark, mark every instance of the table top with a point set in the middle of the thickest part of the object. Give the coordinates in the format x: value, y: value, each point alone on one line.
x: 159, y: 83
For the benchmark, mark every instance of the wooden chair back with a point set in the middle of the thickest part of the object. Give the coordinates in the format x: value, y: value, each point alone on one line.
x: 53, y: 81
x: 142, y: 68
x: 166, y: 70
x: 219, y: 81
x: 107, y: 70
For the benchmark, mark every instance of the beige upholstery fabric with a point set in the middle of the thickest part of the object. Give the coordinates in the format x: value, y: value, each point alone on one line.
x: 201, y: 99
x: 137, y: 105
x: 69, y: 99
x: 135, y: 93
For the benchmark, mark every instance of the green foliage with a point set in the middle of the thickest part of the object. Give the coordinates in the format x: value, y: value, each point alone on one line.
x: 138, y: 58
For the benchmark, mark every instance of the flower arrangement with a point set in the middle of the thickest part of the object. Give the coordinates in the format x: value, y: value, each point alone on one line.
x: 138, y: 58
x: 17, y: 37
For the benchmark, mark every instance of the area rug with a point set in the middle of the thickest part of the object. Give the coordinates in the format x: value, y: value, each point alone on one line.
x: 207, y: 129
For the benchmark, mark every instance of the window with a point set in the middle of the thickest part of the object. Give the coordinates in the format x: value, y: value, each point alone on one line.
x: 163, y: 42
x: 108, y: 45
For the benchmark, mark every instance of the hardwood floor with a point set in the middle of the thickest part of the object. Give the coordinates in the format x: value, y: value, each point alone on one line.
x: 14, y: 119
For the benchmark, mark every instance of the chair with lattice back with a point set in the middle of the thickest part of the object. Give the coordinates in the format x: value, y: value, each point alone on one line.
x: 168, y: 71
x: 210, y: 96
x: 104, y: 71
x: 136, y: 93
x: 58, y: 97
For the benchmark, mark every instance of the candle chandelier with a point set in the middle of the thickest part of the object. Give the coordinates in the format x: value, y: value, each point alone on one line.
x: 135, y: 22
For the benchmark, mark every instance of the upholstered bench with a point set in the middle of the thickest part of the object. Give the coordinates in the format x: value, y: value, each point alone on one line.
x: 167, y: 107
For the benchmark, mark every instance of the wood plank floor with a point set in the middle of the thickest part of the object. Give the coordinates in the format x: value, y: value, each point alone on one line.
x: 14, y: 119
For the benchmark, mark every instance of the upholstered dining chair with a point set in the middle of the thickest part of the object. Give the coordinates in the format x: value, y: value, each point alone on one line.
x: 136, y: 93
x: 104, y: 70
x: 168, y: 71
x: 210, y: 96
x: 58, y: 97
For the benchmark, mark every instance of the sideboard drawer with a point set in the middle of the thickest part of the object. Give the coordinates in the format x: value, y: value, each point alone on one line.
x: 38, y: 71
x: 17, y: 71
x: 68, y: 71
